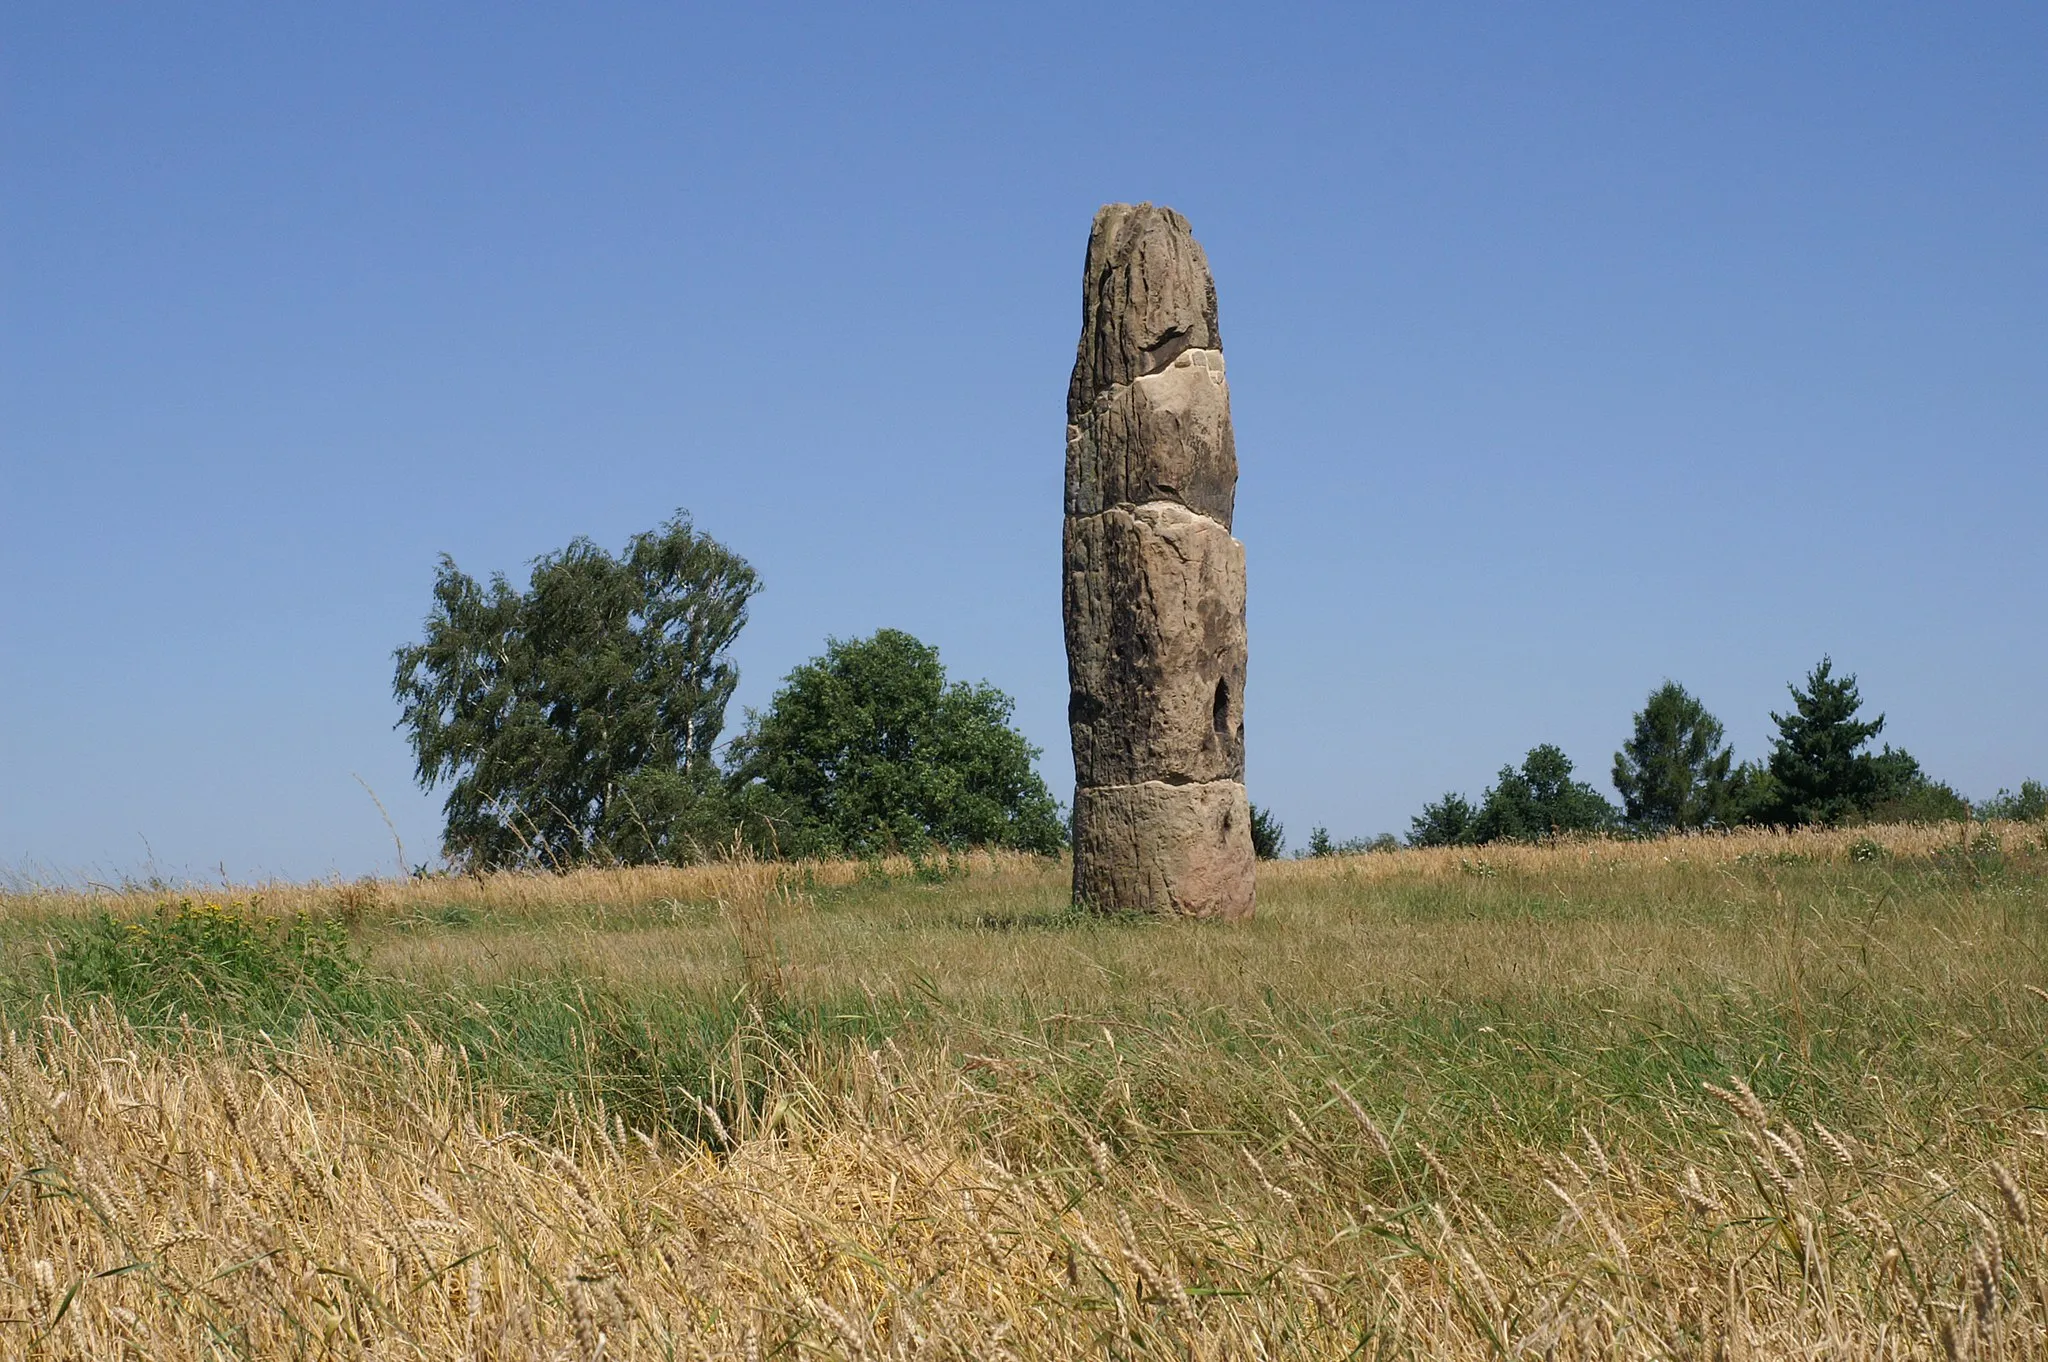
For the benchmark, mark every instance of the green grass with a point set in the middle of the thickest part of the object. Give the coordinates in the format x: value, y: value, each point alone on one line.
x: 1424, y: 1079
x: 1505, y: 1001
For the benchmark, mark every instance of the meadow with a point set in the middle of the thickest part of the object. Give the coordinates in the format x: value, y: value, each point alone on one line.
x: 1756, y: 1095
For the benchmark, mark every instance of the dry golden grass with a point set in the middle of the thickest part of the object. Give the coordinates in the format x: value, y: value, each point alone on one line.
x: 618, y: 887
x: 1429, y: 1105
x: 305, y: 1201
x: 1635, y: 919
x: 635, y: 887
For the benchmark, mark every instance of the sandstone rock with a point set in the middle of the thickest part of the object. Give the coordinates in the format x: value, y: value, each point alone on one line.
x: 1155, y: 646
x: 1179, y: 849
x: 1154, y: 584
x: 1161, y: 437
x: 1146, y: 297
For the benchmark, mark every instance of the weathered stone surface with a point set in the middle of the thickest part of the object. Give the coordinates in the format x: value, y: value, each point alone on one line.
x: 1155, y: 646
x: 1162, y: 437
x: 1146, y: 297
x: 1184, y: 850
x: 1154, y: 585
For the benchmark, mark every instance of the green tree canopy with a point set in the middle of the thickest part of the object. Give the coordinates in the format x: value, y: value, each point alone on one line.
x: 576, y: 720
x: 1901, y: 792
x: 1672, y: 773
x: 1445, y: 823
x: 1819, y: 770
x: 1753, y: 793
x: 869, y: 747
x: 1321, y: 844
x: 1539, y: 800
x: 1269, y: 834
x: 2029, y: 805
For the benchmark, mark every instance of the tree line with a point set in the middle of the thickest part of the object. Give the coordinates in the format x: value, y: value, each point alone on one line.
x: 1676, y: 773
x: 581, y: 720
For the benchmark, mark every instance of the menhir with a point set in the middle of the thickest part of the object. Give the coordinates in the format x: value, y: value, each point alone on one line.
x: 1154, y: 589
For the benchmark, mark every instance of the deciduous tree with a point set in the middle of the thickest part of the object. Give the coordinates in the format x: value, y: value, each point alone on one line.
x: 869, y: 747
x: 1540, y: 800
x: 575, y: 720
x: 2029, y: 805
x: 1446, y: 822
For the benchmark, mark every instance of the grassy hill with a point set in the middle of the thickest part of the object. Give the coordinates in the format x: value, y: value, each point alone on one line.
x: 1725, y: 1096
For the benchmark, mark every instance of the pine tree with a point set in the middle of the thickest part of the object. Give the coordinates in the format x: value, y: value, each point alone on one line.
x: 1269, y: 834
x: 1818, y: 765
x: 1672, y: 773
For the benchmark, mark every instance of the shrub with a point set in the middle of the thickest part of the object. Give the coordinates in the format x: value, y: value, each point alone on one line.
x: 2030, y: 805
x: 1268, y: 834
x: 1447, y: 822
x: 1753, y: 793
x: 1540, y: 800
x: 1320, y: 843
x: 870, y: 748
x: 1923, y: 801
x: 204, y: 958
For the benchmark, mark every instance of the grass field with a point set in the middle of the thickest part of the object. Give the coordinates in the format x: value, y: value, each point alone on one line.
x: 1745, y: 1096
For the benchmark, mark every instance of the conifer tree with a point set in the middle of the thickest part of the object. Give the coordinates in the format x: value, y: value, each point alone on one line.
x: 1819, y: 770
x: 1672, y: 773
x: 1269, y: 834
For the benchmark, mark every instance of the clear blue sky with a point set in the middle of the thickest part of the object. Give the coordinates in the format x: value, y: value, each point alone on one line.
x: 1571, y: 348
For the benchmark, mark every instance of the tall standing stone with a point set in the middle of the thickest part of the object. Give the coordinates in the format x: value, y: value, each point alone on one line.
x: 1154, y: 589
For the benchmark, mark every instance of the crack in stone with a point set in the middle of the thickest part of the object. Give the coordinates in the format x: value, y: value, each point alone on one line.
x: 1166, y: 350
x: 1131, y: 508
x: 1207, y: 357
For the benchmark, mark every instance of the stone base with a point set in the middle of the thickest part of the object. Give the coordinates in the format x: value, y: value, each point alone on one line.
x: 1175, y: 850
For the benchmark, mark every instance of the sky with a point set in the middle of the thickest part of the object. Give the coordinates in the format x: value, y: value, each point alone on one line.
x: 1572, y: 348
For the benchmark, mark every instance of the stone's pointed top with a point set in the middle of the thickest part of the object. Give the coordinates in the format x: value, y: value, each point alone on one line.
x: 1146, y: 297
